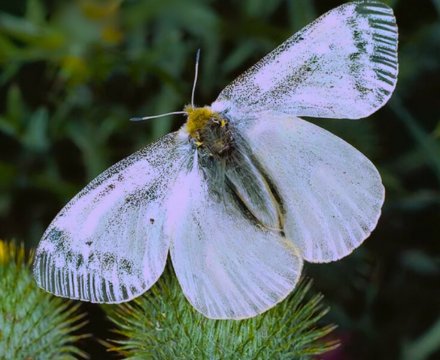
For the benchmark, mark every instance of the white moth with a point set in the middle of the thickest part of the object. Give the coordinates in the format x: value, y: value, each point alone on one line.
x: 245, y: 190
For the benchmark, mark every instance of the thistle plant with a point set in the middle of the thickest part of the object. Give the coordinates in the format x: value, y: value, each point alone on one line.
x: 33, y: 323
x: 163, y: 325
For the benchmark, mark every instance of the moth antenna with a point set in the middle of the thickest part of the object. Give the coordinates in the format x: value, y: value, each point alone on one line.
x: 176, y: 112
x: 196, y: 73
x: 157, y: 116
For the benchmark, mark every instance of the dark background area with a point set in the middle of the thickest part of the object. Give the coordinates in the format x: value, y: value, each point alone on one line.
x: 73, y: 72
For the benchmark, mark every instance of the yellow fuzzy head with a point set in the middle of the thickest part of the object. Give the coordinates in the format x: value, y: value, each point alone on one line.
x: 198, y: 118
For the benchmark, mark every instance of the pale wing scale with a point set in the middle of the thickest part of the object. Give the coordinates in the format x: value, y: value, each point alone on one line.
x: 332, y: 194
x: 227, y: 266
x: 108, y: 244
x: 343, y: 65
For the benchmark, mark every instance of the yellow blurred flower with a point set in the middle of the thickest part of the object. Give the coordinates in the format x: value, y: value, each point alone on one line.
x: 111, y: 34
x: 9, y: 251
x: 74, y: 68
x: 99, y: 10
x: 2, y: 252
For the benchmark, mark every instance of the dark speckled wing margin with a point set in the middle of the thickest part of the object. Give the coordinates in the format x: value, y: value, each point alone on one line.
x: 107, y: 244
x: 343, y: 65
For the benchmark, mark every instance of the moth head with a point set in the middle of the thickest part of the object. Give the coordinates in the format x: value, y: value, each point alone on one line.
x: 198, y: 118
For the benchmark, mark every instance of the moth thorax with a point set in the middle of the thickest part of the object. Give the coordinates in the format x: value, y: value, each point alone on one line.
x: 209, y: 131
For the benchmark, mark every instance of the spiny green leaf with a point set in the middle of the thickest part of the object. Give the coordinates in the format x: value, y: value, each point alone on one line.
x: 33, y: 323
x: 163, y: 325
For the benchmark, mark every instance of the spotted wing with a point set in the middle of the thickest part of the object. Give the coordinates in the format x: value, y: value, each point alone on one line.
x: 343, y: 65
x: 107, y: 245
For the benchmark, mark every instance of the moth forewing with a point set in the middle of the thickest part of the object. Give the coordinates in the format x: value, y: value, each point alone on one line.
x: 102, y: 247
x: 343, y: 65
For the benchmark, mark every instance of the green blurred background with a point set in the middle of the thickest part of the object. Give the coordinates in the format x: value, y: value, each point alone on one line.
x: 73, y: 73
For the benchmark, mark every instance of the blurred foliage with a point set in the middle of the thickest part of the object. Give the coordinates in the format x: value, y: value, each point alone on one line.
x: 74, y: 72
x: 33, y: 324
x: 163, y: 325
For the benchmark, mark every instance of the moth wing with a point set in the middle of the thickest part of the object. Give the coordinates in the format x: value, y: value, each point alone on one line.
x: 330, y: 192
x: 227, y: 266
x: 343, y: 65
x: 107, y: 245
